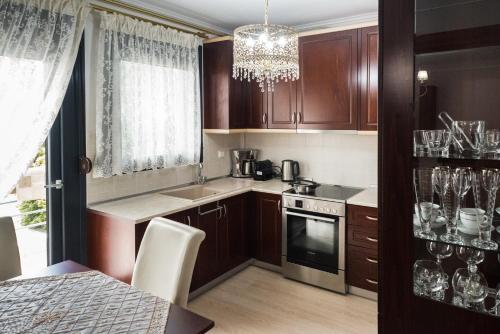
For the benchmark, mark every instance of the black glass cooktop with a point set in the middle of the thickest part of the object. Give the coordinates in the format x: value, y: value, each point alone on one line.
x: 326, y: 191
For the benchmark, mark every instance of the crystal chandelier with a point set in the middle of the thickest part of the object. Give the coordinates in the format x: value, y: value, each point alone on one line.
x: 266, y: 52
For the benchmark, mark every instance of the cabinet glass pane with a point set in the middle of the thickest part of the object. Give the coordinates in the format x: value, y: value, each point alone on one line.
x: 433, y: 16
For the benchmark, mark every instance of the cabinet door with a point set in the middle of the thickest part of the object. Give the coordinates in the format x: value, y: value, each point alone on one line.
x: 257, y: 107
x: 235, y: 217
x: 368, y: 79
x: 328, y: 91
x: 206, y: 264
x: 269, y: 228
x: 282, y: 106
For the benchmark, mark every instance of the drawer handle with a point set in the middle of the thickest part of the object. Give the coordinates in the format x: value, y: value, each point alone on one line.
x: 375, y: 219
x: 371, y: 281
x: 371, y: 260
x: 371, y: 239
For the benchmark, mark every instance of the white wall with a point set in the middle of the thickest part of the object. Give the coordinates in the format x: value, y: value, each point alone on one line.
x: 341, y: 159
x: 101, y: 189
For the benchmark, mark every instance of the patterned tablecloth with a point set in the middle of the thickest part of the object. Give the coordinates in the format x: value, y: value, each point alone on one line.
x: 87, y: 302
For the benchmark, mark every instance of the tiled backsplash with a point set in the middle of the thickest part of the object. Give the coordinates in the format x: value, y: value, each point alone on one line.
x: 329, y: 158
x: 101, y: 189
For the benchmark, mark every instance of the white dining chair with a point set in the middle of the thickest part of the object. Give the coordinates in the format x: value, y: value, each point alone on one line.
x: 10, y: 262
x: 166, y: 259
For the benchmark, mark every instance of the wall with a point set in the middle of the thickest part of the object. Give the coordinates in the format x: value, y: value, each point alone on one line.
x: 101, y: 189
x: 341, y: 159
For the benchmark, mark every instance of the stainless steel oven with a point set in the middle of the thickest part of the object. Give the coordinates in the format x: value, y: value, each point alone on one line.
x: 314, y: 242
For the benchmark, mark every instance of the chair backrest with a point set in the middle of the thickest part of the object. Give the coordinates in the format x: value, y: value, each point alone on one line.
x: 10, y: 262
x: 166, y: 259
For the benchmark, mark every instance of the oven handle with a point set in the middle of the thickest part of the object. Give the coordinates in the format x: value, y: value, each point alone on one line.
x: 311, y: 217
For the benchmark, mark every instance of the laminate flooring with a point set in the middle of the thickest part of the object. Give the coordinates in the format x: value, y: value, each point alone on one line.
x: 261, y: 301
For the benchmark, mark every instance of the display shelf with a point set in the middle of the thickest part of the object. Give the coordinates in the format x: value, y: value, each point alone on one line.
x: 495, y: 236
x: 458, y: 39
x: 455, y: 161
x: 491, y: 305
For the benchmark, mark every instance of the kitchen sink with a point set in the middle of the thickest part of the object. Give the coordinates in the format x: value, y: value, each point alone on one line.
x: 192, y: 193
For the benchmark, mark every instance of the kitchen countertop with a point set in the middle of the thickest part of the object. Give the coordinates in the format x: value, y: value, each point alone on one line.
x: 142, y: 208
x: 367, y: 197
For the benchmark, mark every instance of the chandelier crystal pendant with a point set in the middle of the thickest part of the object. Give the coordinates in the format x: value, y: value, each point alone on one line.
x: 266, y: 53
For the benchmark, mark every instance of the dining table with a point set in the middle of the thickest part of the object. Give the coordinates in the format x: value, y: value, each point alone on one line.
x: 179, y: 321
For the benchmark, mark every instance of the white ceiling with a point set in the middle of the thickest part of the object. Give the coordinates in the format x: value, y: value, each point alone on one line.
x: 225, y: 15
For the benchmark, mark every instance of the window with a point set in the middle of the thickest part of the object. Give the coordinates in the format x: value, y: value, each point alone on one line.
x: 148, y: 97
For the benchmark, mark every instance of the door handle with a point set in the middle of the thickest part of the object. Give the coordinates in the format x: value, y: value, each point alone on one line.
x: 371, y: 218
x: 371, y: 239
x: 57, y: 185
x: 371, y: 260
x: 371, y: 281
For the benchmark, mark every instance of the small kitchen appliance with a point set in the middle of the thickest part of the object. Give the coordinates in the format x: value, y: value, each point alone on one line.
x: 263, y: 170
x: 314, y: 231
x: 243, y: 162
x: 290, y: 170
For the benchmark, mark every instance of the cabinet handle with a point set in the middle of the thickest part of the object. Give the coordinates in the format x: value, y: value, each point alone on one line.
x: 225, y: 210
x: 279, y: 206
x: 218, y: 208
x: 371, y: 281
x: 371, y: 260
x: 189, y: 220
x: 294, y: 118
x: 371, y: 239
x: 264, y: 118
x: 371, y: 218
x: 300, y: 117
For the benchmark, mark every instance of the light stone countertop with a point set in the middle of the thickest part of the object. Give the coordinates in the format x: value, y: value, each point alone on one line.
x: 367, y: 197
x: 141, y: 208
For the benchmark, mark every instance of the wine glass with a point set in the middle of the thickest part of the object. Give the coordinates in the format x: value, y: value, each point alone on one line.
x: 469, y: 284
x: 486, y: 183
x: 422, y: 181
x: 461, y: 179
x: 441, y: 180
x: 429, y: 279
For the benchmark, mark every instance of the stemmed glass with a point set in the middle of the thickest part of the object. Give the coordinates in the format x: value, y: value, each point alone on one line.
x: 422, y: 181
x: 486, y: 183
x: 469, y: 285
x: 439, y: 251
x: 461, y: 179
x: 441, y: 180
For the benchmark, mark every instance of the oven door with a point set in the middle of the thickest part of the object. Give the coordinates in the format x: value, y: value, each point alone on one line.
x: 316, y: 241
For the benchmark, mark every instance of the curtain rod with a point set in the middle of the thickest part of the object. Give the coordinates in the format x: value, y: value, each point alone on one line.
x: 202, y: 31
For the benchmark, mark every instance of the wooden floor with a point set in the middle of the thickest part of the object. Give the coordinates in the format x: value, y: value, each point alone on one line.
x: 261, y: 301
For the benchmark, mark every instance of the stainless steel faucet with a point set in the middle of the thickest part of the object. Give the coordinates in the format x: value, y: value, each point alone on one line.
x: 201, y: 179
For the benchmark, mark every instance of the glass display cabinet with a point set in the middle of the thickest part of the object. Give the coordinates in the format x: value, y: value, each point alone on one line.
x: 439, y: 183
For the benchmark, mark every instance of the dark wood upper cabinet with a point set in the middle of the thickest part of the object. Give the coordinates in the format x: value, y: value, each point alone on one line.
x: 256, y: 107
x: 368, y: 79
x: 327, y: 96
x: 223, y: 96
x: 282, y: 106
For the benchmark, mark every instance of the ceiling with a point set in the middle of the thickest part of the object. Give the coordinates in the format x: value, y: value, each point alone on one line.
x: 225, y: 15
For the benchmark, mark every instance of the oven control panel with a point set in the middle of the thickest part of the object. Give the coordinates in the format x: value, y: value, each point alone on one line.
x: 314, y: 205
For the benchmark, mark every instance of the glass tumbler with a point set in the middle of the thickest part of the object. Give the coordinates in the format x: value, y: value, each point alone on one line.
x: 419, y: 144
x: 429, y: 279
x: 492, y: 141
x: 438, y: 142
x: 485, y: 186
x: 424, y: 193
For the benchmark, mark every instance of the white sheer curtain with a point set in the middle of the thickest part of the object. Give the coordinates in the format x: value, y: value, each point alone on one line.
x: 38, y: 45
x: 148, y: 112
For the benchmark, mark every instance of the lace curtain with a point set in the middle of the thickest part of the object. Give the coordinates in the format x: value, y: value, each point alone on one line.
x: 38, y: 45
x: 148, y: 112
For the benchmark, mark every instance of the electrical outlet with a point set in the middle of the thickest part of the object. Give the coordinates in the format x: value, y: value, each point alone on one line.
x: 221, y: 154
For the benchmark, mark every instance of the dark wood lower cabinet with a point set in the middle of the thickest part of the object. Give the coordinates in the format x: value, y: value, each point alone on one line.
x: 362, y: 247
x: 265, y: 227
